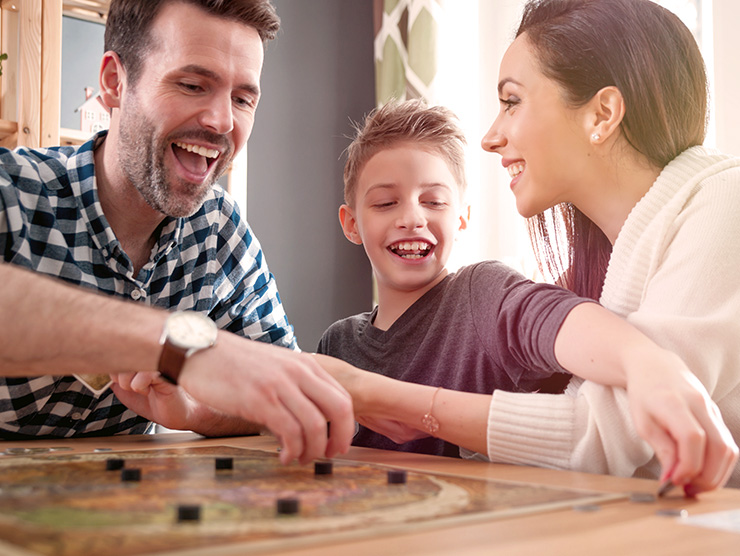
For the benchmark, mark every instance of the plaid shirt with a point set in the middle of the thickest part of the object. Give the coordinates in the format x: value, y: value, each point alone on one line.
x: 51, y: 221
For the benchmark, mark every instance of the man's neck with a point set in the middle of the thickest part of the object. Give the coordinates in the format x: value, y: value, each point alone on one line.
x: 133, y: 221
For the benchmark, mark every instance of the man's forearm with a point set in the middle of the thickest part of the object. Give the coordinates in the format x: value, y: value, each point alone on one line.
x: 48, y: 327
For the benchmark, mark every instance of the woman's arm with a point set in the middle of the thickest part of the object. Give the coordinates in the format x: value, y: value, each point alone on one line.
x: 669, y: 406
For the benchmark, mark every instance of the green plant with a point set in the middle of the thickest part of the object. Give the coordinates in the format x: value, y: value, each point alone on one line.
x: 3, y: 57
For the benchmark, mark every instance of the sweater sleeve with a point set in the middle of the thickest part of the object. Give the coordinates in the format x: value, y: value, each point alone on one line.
x: 567, y: 431
x: 517, y: 321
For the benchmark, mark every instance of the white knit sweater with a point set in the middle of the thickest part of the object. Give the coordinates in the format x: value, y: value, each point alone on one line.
x: 675, y: 274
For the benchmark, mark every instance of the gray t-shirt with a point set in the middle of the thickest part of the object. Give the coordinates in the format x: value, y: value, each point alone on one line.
x: 483, y: 328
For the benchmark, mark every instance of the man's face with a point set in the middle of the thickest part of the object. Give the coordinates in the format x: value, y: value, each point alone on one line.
x: 192, y: 108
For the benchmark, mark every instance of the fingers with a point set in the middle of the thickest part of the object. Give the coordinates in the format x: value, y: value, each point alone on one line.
x: 141, y: 382
x: 288, y: 392
x: 314, y: 399
x: 335, y: 404
x: 692, y: 443
x: 666, y: 449
x: 721, y: 452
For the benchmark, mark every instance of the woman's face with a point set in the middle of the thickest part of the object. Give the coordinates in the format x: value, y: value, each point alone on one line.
x: 544, y: 144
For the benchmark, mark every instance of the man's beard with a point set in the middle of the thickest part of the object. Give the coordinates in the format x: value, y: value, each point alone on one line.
x: 141, y: 158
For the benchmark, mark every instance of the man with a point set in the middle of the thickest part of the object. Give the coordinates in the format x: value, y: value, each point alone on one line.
x: 133, y: 213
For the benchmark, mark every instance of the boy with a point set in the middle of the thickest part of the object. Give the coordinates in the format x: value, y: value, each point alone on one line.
x: 483, y: 328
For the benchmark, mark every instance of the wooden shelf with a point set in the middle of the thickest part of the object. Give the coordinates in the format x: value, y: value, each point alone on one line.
x: 69, y: 136
x: 7, y: 128
x: 90, y: 10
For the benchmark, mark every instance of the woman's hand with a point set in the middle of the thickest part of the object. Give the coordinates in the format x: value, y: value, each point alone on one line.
x: 398, y: 432
x: 673, y: 412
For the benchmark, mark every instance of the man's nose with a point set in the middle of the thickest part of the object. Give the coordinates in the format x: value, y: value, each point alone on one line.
x: 217, y: 115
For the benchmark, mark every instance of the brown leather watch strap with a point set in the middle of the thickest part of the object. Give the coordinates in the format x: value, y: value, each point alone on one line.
x: 171, y: 362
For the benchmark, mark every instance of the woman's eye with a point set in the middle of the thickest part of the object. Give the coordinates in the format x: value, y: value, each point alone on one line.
x: 508, y: 103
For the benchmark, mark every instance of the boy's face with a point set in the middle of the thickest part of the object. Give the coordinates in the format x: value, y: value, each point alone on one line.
x: 407, y: 214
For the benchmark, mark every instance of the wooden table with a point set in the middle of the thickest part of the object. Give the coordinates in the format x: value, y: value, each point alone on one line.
x: 622, y: 527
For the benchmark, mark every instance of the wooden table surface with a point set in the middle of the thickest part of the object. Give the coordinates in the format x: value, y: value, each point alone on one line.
x: 622, y: 527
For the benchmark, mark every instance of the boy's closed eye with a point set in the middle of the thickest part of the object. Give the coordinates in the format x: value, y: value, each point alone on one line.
x: 383, y: 204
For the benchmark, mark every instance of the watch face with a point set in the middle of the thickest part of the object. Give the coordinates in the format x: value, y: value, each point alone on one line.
x: 191, y: 330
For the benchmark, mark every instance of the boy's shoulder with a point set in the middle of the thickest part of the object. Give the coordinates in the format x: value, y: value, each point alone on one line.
x: 343, y: 329
x: 490, y: 269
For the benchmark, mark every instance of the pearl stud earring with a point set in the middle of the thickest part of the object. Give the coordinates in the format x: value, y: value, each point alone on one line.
x: 595, y: 136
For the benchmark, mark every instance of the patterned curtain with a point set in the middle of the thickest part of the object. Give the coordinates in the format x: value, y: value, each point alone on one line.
x: 406, y: 48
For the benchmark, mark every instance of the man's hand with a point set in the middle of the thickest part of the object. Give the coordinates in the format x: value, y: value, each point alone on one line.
x: 287, y: 392
x: 149, y: 395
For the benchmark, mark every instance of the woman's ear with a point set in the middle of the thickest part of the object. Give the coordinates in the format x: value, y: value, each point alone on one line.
x: 606, y: 111
x: 349, y: 224
x: 112, y: 77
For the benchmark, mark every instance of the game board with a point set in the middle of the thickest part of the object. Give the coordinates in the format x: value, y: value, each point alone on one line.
x: 70, y: 504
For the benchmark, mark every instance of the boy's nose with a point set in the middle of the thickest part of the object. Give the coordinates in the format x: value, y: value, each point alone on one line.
x: 411, y: 218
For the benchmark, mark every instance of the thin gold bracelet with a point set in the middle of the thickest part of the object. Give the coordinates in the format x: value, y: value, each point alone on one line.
x: 431, y: 425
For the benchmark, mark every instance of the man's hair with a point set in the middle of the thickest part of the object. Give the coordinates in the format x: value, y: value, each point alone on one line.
x: 128, y: 29
x: 432, y: 128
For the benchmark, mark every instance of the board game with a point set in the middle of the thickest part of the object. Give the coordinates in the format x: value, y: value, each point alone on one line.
x: 182, y: 500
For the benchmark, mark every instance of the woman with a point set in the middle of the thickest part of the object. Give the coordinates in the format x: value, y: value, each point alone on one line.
x: 603, y: 109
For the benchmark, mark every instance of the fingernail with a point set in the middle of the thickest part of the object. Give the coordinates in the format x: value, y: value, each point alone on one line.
x: 690, y: 490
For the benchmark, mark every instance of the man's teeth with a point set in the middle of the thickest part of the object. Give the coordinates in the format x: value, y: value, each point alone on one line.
x: 198, y: 149
x: 411, y: 249
x: 515, y: 169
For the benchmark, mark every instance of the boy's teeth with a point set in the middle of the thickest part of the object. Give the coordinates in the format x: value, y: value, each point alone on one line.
x: 198, y: 149
x: 411, y: 249
x: 515, y: 169
x: 411, y: 246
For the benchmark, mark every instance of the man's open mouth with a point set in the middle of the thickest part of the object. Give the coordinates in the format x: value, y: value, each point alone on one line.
x: 195, y: 158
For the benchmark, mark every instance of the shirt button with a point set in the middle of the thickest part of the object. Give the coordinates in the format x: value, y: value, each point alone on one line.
x: 137, y: 294
x: 76, y: 415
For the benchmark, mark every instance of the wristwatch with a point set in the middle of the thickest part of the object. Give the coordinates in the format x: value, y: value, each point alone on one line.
x: 185, y: 333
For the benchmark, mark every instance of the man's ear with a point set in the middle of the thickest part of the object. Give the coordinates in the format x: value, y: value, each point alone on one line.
x: 349, y: 224
x: 606, y: 111
x: 112, y: 78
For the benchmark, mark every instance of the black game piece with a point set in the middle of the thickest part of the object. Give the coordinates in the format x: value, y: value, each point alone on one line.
x: 642, y: 497
x: 586, y: 508
x: 114, y: 464
x: 188, y: 512
x: 288, y: 506
x: 672, y: 512
x: 130, y: 475
x: 396, y: 477
x: 323, y: 468
x: 224, y: 463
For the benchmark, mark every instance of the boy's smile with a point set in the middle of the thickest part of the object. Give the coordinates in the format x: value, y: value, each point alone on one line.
x: 407, y: 215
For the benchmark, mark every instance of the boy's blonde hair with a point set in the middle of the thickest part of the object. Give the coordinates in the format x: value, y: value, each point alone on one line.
x: 432, y: 128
